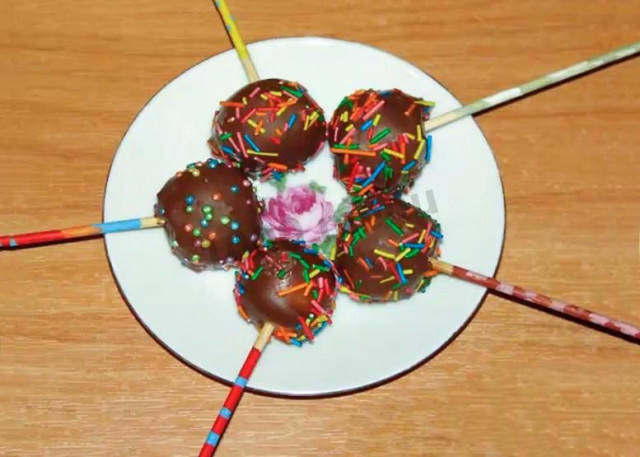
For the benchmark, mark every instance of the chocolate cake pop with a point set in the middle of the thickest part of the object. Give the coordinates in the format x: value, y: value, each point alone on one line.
x: 378, y: 140
x: 211, y: 214
x: 383, y: 249
x: 268, y: 127
x: 289, y: 285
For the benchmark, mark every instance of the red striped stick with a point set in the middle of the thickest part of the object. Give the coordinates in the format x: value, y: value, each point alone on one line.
x: 72, y: 233
x: 235, y: 394
x: 541, y: 301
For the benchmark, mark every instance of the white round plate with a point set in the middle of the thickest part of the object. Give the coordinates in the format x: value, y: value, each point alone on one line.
x: 193, y: 314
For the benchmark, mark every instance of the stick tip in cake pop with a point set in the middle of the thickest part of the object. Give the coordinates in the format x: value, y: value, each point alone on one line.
x: 268, y: 127
x: 211, y: 214
x: 290, y: 285
x: 378, y: 141
x: 383, y: 249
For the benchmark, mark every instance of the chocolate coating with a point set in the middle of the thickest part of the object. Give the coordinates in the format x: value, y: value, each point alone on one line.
x: 383, y: 249
x: 377, y: 140
x: 211, y: 213
x: 289, y: 285
x: 268, y: 127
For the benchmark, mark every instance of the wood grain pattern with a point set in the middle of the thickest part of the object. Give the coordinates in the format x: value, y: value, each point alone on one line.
x: 80, y: 377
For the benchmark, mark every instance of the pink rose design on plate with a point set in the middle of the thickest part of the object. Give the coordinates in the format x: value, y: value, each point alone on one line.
x: 299, y: 213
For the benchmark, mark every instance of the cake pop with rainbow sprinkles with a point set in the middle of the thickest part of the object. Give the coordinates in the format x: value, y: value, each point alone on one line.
x: 291, y: 286
x: 378, y: 140
x: 383, y: 249
x: 268, y: 127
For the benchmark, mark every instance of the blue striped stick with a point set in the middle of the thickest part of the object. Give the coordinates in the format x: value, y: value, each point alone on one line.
x: 235, y: 394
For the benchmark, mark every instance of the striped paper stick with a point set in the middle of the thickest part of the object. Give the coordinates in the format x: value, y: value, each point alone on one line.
x: 235, y: 394
x: 83, y: 231
x: 236, y: 39
x: 539, y: 300
x: 545, y: 81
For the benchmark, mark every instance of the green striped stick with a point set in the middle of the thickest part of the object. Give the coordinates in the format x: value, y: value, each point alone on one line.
x: 537, y: 84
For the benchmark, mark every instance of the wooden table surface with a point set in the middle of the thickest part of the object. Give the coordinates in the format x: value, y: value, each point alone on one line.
x: 80, y: 377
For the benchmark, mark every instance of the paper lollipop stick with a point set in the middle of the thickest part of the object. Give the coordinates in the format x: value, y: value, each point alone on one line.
x: 83, y: 231
x: 539, y: 300
x: 236, y: 39
x: 537, y: 84
x: 292, y: 288
x: 235, y: 394
x: 237, y: 390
